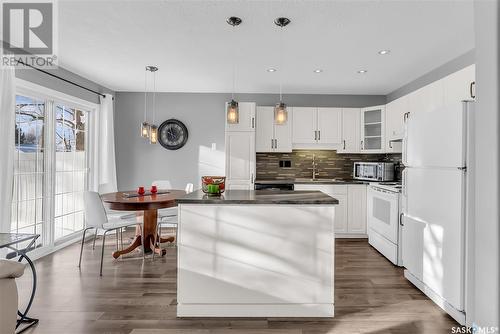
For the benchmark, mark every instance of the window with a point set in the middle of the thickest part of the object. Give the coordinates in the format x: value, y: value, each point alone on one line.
x: 29, y: 167
x: 51, y: 166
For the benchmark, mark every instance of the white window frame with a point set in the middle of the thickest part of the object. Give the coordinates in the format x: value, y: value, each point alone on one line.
x: 52, y: 97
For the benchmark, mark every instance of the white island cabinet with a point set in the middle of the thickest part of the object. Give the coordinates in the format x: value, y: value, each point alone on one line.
x: 256, y: 254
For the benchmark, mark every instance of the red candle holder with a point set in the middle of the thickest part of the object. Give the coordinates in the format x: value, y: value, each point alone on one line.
x: 154, y: 189
x: 140, y: 190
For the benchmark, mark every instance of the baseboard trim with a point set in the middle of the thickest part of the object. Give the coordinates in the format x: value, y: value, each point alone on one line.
x: 256, y: 310
x: 351, y: 236
x: 459, y: 316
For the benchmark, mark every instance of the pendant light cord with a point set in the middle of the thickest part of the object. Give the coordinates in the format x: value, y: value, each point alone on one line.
x: 154, y: 96
x: 145, y: 95
x: 234, y: 65
x: 281, y: 64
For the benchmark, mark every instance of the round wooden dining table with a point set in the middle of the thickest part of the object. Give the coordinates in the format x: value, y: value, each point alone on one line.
x: 147, y: 206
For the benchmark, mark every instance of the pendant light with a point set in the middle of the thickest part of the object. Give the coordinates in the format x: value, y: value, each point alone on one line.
x: 233, y: 112
x: 280, y: 111
x: 145, y: 124
x: 153, y: 129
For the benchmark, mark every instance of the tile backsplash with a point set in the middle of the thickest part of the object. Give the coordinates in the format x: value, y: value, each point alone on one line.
x: 329, y: 164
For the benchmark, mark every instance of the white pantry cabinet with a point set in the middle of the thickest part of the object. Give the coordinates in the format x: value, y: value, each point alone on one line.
x: 246, y: 118
x: 457, y: 86
x: 271, y: 137
x: 350, y: 130
x: 350, y: 213
x: 240, y: 160
x: 319, y: 126
x: 372, y: 129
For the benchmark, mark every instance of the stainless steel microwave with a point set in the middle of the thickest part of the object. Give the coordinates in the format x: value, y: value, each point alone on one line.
x: 374, y: 171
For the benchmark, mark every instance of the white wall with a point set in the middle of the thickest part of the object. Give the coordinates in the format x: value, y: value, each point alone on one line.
x: 486, y: 297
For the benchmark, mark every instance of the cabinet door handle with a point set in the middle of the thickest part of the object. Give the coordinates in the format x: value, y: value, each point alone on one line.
x: 361, y: 144
x: 471, y: 89
x: 251, y: 180
x: 390, y: 144
x: 253, y: 122
x: 401, y: 219
x: 315, y: 135
x: 344, y: 144
x: 275, y: 143
x: 319, y: 134
x: 272, y: 143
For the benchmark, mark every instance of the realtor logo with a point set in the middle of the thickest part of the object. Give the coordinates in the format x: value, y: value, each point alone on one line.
x: 28, y: 34
x: 27, y: 28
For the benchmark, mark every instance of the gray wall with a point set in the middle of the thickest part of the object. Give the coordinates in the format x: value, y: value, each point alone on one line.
x: 434, y: 75
x: 48, y: 81
x: 139, y: 163
x: 487, y: 168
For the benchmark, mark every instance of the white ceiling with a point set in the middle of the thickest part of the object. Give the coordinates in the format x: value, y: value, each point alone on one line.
x: 110, y: 42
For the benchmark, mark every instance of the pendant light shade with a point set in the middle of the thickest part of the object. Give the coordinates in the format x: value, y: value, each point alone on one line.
x: 233, y: 112
x: 145, y: 130
x: 153, y: 134
x: 280, y: 114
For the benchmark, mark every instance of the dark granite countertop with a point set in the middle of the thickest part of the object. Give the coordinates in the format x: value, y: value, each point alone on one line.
x: 304, y: 197
x: 310, y: 181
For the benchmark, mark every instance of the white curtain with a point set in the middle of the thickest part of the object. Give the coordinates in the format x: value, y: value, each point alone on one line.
x: 7, y: 143
x: 106, y: 147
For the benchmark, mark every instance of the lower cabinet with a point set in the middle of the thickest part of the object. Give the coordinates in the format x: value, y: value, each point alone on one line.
x: 350, y: 213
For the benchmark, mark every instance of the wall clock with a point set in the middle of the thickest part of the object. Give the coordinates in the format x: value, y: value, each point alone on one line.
x: 173, y: 134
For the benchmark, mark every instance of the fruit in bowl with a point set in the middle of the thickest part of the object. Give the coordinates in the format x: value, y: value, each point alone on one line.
x: 213, y: 185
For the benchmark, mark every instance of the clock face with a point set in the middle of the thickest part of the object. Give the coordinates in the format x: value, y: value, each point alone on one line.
x: 172, y: 134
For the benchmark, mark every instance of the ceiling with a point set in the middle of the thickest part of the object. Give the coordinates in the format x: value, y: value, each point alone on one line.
x: 110, y: 42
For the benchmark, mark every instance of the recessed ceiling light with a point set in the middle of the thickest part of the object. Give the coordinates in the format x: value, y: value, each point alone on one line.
x: 384, y: 52
x: 271, y: 70
x: 362, y: 71
x: 318, y: 70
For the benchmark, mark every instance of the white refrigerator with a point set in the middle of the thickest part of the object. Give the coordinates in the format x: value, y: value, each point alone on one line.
x: 436, y: 150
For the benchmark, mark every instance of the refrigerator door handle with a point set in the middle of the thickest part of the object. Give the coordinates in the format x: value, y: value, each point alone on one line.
x: 404, y: 185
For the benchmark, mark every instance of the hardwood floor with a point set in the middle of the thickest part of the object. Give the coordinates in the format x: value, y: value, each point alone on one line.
x: 139, y: 297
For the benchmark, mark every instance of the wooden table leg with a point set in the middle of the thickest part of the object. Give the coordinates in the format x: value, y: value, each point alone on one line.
x: 150, y: 218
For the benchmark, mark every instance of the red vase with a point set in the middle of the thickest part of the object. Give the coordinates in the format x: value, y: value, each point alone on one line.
x: 140, y: 190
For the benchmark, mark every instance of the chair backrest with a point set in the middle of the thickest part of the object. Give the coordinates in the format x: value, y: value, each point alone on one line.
x: 189, y: 188
x: 162, y: 184
x: 95, y: 214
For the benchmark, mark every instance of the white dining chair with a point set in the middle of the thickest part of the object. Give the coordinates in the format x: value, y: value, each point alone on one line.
x: 96, y: 218
x: 168, y: 217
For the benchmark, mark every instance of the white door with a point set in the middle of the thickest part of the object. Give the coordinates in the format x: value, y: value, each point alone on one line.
x: 246, y: 118
x: 436, y: 138
x: 435, y: 198
x: 350, y: 130
x: 394, y: 124
x: 372, y: 129
x: 283, y: 136
x: 356, y: 208
x: 304, y: 125
x: 240, y: 158
x: 264, y: 132
x: 330, y: 126
x: 457, y: 86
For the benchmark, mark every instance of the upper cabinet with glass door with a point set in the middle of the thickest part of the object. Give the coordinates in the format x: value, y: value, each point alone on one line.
x: 372, y: 129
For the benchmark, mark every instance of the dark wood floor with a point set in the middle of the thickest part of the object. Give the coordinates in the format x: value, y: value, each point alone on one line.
x: 371, y: 296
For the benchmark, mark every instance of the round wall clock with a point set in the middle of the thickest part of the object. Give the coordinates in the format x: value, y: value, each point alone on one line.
x: 172, y: 134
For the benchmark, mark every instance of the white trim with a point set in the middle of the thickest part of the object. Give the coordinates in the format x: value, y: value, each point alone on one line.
x: 459, y: 316
x: 351, y: 235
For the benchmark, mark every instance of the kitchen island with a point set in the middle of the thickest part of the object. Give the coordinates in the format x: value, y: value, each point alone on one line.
x: 256, y: 254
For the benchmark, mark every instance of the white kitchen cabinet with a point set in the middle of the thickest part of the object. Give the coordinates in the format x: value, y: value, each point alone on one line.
x: 350, y: 130
x: 240, y: 159
x: 329, y: 126
x: 271, y: 137
x: 356, y: 208
x: 350, y: 213
x: 394, y: 124
x: 246, y: 118
x: 317, y: 128
x: 427, y: 98
x: 372, y: 129
x: 457, y: 86
x: 304, y: 125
